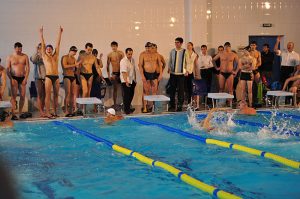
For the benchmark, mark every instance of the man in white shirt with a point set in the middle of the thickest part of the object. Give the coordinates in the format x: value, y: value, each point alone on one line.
x: 289, y: 60
x: 128, y: 80
x: 206, y: 66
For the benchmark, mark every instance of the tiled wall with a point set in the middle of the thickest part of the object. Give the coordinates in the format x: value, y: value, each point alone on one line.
x: 234, y: 20
x: 134, y: 22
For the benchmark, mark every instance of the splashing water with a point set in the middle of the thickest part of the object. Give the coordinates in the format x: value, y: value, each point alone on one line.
x: 192, y: 118
x: 221, y: 120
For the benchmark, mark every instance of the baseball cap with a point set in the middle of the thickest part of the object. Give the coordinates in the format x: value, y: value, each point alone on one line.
x: 73, y: 48
x: 111, y: 111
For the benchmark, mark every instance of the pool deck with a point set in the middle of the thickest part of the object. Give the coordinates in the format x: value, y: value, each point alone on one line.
x: 91, y: 114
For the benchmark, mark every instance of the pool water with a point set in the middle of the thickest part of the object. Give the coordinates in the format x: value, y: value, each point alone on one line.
x: 51, y: 161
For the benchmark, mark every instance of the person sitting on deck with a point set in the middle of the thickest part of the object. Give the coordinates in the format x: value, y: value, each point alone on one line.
x: 112, y: 117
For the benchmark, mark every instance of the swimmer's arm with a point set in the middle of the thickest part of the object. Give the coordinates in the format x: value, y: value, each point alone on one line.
x: 43, y: 45
x: 122, y: 54
x: 98, y: 68
x: 27, y: 69
x: 294, y: 78
x: 100, y: 63
x: 107, y: 65
x: 276, y: 50
x: 236, y: 60
x: 159, y: 62
x: 141, y: 63
x: 8, y: 67
x: 3, y: 79
x: 216, y: 57
x: 58, y: 41
x: 258, y: 64
x: 163, y: 61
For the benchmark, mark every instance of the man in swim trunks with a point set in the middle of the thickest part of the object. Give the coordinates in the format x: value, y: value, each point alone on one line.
x: 3, y: 81
x: 39, y: 77
x: 50, y: 60
x: 256, y: 64
x: 227, y: 72
x: 149, y: 63
x: 86, y: 70
x: 114, y: 58
x: 69, y: 63
x: 18, y: 69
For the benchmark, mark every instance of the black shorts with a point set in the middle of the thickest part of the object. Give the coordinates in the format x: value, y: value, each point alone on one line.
x: 246, y: 76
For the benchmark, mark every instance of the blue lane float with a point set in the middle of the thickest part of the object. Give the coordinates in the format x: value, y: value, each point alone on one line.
x: 274, y: 157
x: 285, y: 115
x: 215, y: 192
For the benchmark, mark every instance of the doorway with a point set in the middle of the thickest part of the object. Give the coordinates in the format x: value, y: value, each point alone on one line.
x: 271, y: 40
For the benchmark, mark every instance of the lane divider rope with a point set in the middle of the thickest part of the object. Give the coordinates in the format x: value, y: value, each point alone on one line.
x: 274, y: 157
x: 155, y: 163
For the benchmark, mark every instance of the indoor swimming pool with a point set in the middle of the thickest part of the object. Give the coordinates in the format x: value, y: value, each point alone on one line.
x: 67, y: 159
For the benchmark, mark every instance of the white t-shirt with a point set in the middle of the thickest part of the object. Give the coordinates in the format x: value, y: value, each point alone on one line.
x: 190, y: 60
x: 205, y: 61
x: 128, y: 66
x: 288, y: 58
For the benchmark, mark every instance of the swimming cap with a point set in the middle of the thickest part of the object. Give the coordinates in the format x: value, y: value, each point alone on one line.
x: 111, y: 111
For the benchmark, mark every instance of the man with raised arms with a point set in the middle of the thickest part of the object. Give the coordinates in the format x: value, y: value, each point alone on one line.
x: 149, y: 63
x: 86, y: 70
x: 17, y: 70
x: 50, y: 60
x: 114, y: 58
x: 227, y: 72
x: 69, y: 63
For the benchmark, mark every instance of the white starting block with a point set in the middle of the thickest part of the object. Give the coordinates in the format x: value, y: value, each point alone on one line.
x: 218, y: 96
x: 89, y: 101
x: 157, y: 98
x: 5, y: 104
x: 277, y: 95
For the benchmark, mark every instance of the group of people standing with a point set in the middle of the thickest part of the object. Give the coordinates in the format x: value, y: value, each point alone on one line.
x: 82, y: 76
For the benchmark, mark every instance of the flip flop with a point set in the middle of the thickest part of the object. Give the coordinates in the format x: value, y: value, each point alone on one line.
x: 69, y: 115
x: 14, y: 117
x: 51, y: 117
x: 23, y: 116
x: 27, y: 114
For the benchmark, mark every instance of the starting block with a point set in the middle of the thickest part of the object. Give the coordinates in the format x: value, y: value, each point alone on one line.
x: 89, y: 101
x: 218, y: 96
x: 5, y: 104
x: 277, y: 95
x: 157, y: 98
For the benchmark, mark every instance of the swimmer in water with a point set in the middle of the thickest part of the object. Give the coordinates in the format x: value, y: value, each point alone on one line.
x: 112, y: 117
